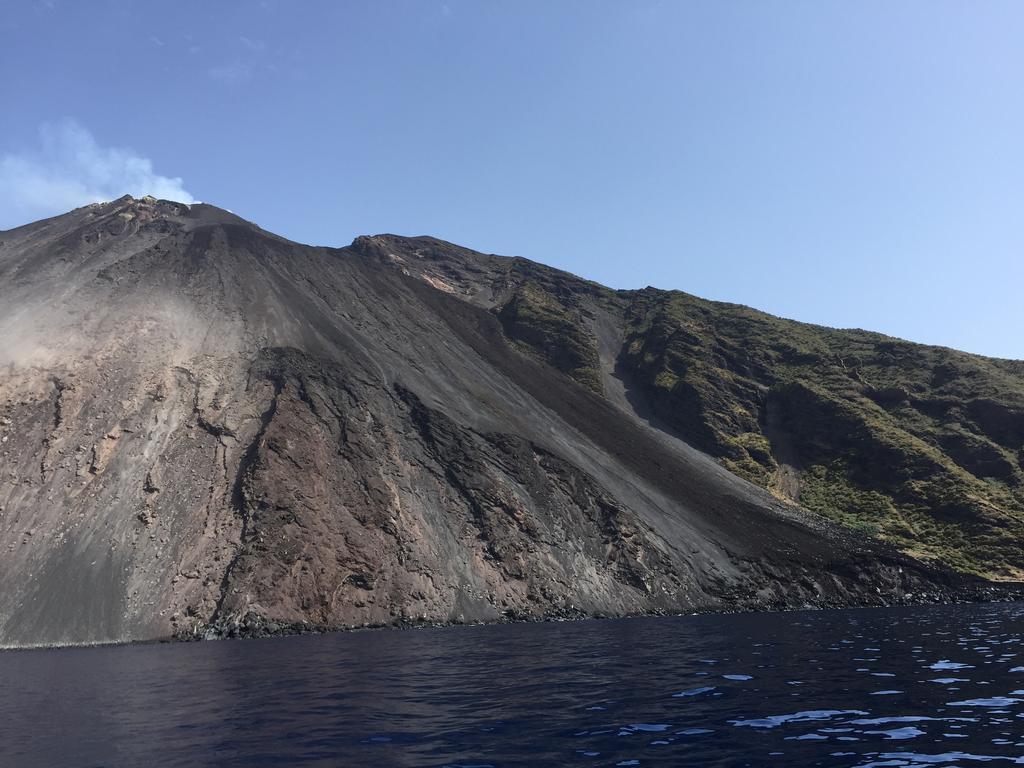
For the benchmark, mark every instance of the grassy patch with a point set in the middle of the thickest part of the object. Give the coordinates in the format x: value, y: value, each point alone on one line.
x: 919, y: 445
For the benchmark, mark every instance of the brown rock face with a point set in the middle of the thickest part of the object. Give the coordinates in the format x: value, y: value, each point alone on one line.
x: 207, y: 429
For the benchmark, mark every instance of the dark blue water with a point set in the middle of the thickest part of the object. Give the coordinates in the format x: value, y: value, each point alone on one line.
x: 903, y: 687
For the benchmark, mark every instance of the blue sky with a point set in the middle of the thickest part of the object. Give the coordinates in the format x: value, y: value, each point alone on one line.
x: 856, y: 164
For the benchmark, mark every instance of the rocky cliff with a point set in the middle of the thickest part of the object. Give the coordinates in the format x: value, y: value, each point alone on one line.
x: 206, y: 429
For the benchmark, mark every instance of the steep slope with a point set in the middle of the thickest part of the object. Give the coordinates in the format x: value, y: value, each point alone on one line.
x: 206, y: 429
x: 920, y: 446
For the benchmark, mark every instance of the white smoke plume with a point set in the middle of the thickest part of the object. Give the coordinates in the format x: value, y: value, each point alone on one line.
x: 69, y: 169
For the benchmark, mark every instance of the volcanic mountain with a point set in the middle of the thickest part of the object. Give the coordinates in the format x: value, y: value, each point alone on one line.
x: 207, y: 430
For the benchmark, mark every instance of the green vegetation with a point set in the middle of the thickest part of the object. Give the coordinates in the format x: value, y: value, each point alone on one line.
x: 919, y: 445
x: 545, y: 315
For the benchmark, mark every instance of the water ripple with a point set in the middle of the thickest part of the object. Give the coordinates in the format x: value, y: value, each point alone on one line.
x: 800, y: 690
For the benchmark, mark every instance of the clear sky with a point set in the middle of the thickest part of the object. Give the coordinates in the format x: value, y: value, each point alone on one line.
x: 856, y: 163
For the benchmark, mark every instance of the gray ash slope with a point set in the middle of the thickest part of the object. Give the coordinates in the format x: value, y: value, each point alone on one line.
x: 208, y: 429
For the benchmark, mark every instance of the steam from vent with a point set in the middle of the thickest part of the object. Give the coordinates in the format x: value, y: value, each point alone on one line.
x: 70, y: 169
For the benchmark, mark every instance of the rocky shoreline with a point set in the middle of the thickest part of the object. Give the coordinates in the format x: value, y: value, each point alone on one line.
x: 255, y: 626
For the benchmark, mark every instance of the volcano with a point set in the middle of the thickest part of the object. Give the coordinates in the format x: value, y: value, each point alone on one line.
x: 209, y: 430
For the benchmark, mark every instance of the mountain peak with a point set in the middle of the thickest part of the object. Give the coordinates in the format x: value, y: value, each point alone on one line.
x: 149, y: 208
